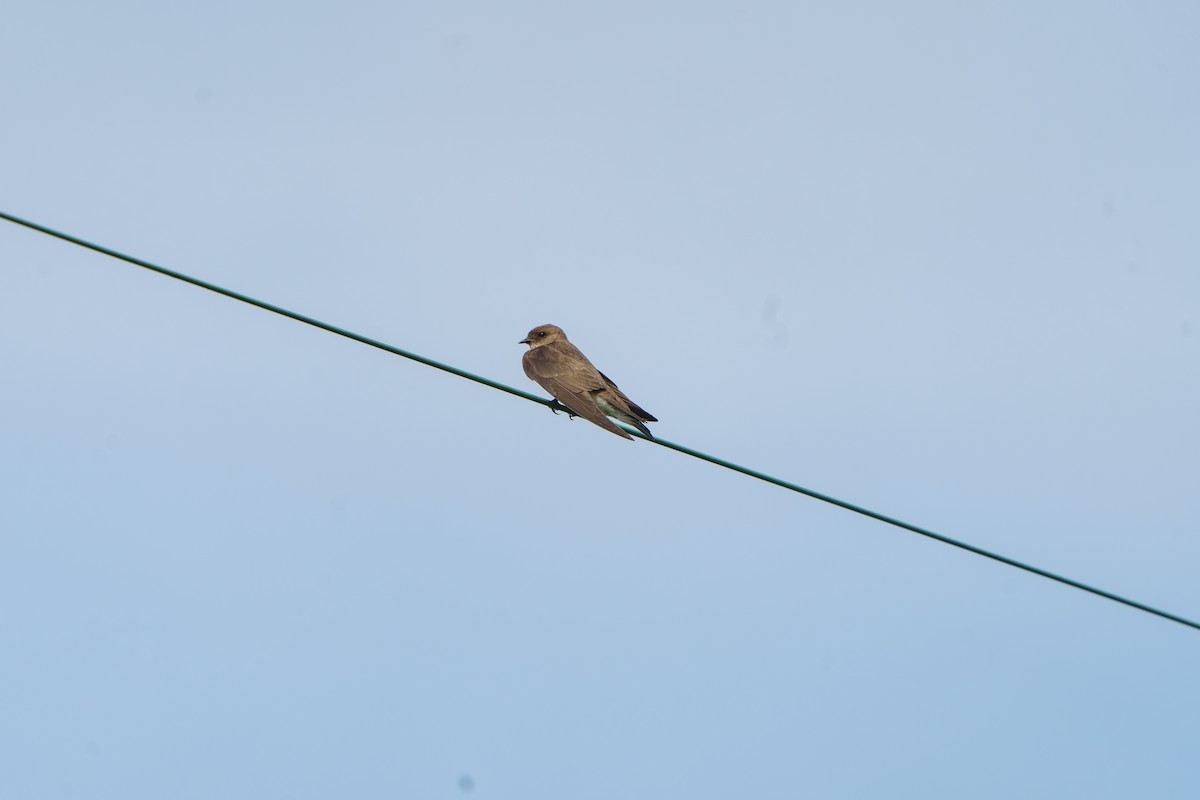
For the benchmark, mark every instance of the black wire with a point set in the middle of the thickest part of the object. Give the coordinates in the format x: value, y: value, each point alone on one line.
x: 1012, y: 562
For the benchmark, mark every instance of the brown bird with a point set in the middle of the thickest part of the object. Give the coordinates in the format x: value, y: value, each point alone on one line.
x: 559, y: 368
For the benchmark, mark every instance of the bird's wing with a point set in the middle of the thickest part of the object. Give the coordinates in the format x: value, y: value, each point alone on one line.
x: 637, y: 410
x: 570, y: 378
x: 564, y: 364
x: 583, y: 404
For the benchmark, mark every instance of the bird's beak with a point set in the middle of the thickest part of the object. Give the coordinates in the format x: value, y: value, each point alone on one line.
x: 525, y: 341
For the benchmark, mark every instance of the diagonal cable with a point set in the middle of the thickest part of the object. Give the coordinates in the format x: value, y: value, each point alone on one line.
x: 762, y: 476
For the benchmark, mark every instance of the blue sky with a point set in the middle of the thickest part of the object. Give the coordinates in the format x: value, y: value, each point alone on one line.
x: 936, y: 259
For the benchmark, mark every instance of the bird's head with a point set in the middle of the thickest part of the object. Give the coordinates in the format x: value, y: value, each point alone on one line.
x: 544, y: 334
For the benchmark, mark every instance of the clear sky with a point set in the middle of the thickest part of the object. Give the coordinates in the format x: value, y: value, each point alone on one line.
x: 939, y: 259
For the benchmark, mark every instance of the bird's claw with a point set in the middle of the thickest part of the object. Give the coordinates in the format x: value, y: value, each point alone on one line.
x: 556, y: 407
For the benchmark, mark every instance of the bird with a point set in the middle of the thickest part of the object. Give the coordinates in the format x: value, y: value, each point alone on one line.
x: 558, y: 367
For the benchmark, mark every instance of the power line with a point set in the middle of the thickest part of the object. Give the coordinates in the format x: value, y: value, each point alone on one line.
x: 553, y: 404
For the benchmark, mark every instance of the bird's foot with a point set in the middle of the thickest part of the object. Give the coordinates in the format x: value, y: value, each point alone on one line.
x: 556, y: 407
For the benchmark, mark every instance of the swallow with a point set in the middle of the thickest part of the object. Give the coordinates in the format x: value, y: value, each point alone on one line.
x: 558, y: 367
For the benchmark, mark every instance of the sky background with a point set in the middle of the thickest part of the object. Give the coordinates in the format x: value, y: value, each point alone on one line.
x: 938, y: 259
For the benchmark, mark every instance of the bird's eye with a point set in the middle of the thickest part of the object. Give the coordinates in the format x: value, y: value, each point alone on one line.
x: 541, y: 333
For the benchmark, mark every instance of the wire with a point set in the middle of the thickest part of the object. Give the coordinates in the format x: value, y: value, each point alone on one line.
x: 316, y: 323
x: 553, y: 404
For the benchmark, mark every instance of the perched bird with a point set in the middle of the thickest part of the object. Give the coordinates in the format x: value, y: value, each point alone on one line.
x: 564, y: 372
